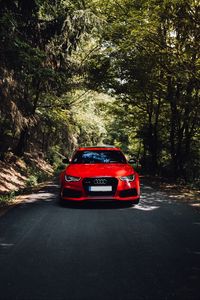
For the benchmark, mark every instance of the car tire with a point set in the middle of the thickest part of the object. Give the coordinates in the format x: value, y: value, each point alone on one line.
x: 136, y: 201
x: 60, y: 200
x: 133, y: 202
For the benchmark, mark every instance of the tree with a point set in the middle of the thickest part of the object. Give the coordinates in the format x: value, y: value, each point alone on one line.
x: 37, y: 42
x: 151, y: 52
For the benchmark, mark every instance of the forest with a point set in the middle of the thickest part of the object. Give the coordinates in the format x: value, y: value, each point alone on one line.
x: 88, y: 72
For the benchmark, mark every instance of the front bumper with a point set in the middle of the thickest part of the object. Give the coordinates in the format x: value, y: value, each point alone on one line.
x: 121, y: 191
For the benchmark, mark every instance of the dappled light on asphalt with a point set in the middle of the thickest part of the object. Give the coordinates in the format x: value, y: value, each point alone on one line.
x: 43, y: 195
x: 6, y: 245
x: 46, y: 196
x: 195, y: 204
x: 151, y: 199
x: 142, y: 206
x: 177, y: 196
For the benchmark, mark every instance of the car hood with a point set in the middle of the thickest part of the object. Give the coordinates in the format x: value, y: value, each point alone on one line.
x: 93, y: 170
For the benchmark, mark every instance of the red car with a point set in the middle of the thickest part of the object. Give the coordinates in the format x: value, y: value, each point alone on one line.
x: 99, y: 173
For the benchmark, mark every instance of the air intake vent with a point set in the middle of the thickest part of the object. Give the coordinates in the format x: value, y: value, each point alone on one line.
x: 128, y: 193
x: 70, y: 193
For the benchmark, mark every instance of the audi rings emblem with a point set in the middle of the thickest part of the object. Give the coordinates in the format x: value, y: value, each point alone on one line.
x: 100, y: 181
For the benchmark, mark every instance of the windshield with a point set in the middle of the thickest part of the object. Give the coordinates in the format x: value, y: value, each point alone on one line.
x: 98, y: 157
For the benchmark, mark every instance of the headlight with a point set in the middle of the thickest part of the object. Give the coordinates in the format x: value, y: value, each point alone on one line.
x: 69, y: 178
x: 127, y: 178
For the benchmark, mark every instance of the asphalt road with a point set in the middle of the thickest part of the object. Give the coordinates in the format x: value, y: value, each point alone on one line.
x: 100, y: 251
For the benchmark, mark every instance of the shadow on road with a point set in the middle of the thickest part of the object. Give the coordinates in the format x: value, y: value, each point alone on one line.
x: 151, y: 199
x: 100, y: 204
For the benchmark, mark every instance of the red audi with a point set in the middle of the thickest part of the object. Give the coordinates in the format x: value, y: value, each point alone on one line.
x: 99, y: 173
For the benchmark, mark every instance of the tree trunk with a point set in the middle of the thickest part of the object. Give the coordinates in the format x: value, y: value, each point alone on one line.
x: 23, y: 142
x: 173, y: 122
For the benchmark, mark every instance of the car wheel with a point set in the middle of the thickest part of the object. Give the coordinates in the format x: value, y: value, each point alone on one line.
x: 60, y: 200
x: 132, y: 203
x: 137, y: 201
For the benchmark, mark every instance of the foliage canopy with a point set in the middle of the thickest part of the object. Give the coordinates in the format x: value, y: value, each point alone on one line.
x: 59, y: 59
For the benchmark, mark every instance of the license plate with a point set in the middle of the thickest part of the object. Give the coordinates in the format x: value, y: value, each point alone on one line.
x: 100, y: 188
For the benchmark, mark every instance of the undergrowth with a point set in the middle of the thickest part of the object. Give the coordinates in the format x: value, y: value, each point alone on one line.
x: 6, y: 198
x: 36, y: 176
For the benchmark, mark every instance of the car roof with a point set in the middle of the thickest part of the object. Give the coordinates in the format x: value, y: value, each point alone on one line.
x: 106, y: 147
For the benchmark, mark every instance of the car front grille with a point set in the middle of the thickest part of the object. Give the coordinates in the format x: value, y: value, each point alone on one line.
x: 100, y: 181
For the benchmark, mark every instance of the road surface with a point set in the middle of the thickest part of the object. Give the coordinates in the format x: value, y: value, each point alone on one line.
x: 100, y: 251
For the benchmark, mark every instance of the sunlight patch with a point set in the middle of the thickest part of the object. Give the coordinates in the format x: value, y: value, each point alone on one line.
x: 5, y: 245
x: 195, y: 204
x: 177, y: 196
x: 145, y: 207
x: 39, y: 196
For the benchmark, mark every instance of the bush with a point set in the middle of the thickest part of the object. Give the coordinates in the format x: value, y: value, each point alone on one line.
x: 6, y: 198
x: 36, y: 176
x: 31, y: 181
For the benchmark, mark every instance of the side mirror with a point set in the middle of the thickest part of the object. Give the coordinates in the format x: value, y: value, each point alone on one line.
x: 65, y: 161
x: 132, y: 161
